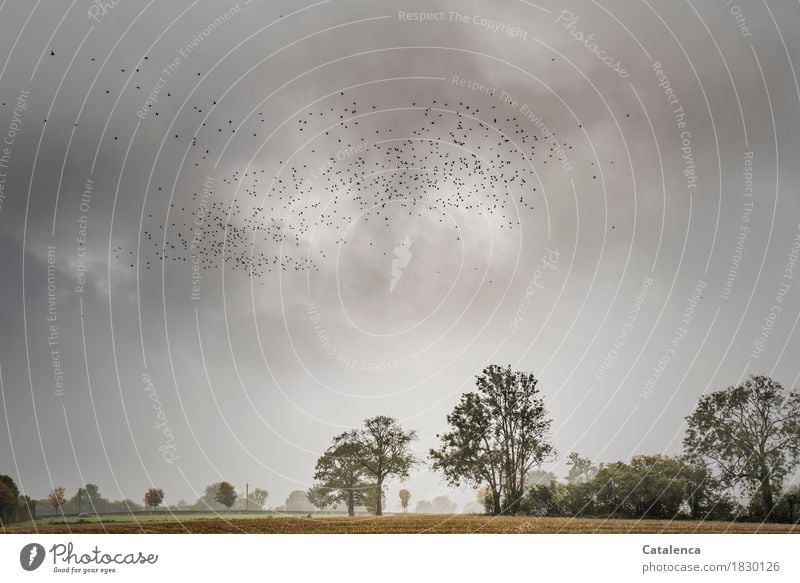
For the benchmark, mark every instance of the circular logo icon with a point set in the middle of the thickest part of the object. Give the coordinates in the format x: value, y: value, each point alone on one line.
x: 31, y: 556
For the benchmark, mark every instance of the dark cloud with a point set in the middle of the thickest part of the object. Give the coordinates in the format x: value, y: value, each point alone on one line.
x: 481, y: 187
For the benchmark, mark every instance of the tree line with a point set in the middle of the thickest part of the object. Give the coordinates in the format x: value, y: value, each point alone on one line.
x: 15, y: 507
x: 740, y: 451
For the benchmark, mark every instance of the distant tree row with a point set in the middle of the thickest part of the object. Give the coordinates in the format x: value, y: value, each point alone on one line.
x: 741, y: 453
x: 16, y: 507
x: 224, y: 496
x: 439, y: 505
x: 88, y: 499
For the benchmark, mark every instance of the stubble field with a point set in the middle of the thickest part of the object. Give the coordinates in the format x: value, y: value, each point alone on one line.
x: 399, y: 524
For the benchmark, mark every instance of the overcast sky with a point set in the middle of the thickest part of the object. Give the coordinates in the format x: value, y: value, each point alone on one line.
x: 362, y: 207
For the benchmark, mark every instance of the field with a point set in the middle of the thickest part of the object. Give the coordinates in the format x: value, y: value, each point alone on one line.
x: 391, y: 524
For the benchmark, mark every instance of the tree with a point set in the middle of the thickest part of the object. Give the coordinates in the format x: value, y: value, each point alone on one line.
x: 544, y: 499
x: 56, y: 498
x: 383, y: 451
x: 297, y: 501
x: 578, y: 499
x: 89, y: 498
x: 405, y: 496
x: 443, y: 505
x: 8, y: 498
x: 226, y: 494
x: 11, y: 484
x: 154, y: 497
x: 371, y: 499
x: 424, y: 507
x: 581, y: 469
x: 655, y: 486
x: 321, y: 497
x: 497, y: 435
x: 649, y: 486
x: 704, y: 494
x: 26, y: 508
x: 340, y: 474
x: 750, y: 434
x: 789, y: 505
x: 208, y: 501
x: 259, y: 496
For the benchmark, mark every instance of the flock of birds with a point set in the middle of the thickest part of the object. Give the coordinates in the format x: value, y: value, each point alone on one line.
x: 434, y: 160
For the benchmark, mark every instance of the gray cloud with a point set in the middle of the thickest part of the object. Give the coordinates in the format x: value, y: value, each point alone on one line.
x: 256, y: 375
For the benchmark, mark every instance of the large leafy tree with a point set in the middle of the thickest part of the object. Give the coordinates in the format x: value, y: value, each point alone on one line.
x: 340, y: 474
x: 650, y: 486
x: 226, y: 494
x: 10, y: 484
x: 8, y: 498
x: 750, y: 433
x: 497, y: 435
x: 384, y: 451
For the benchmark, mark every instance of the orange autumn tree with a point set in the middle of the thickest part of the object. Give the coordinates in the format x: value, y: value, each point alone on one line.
x: 154, y: 497
x: 56, y: 497
x: 405, y: 496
